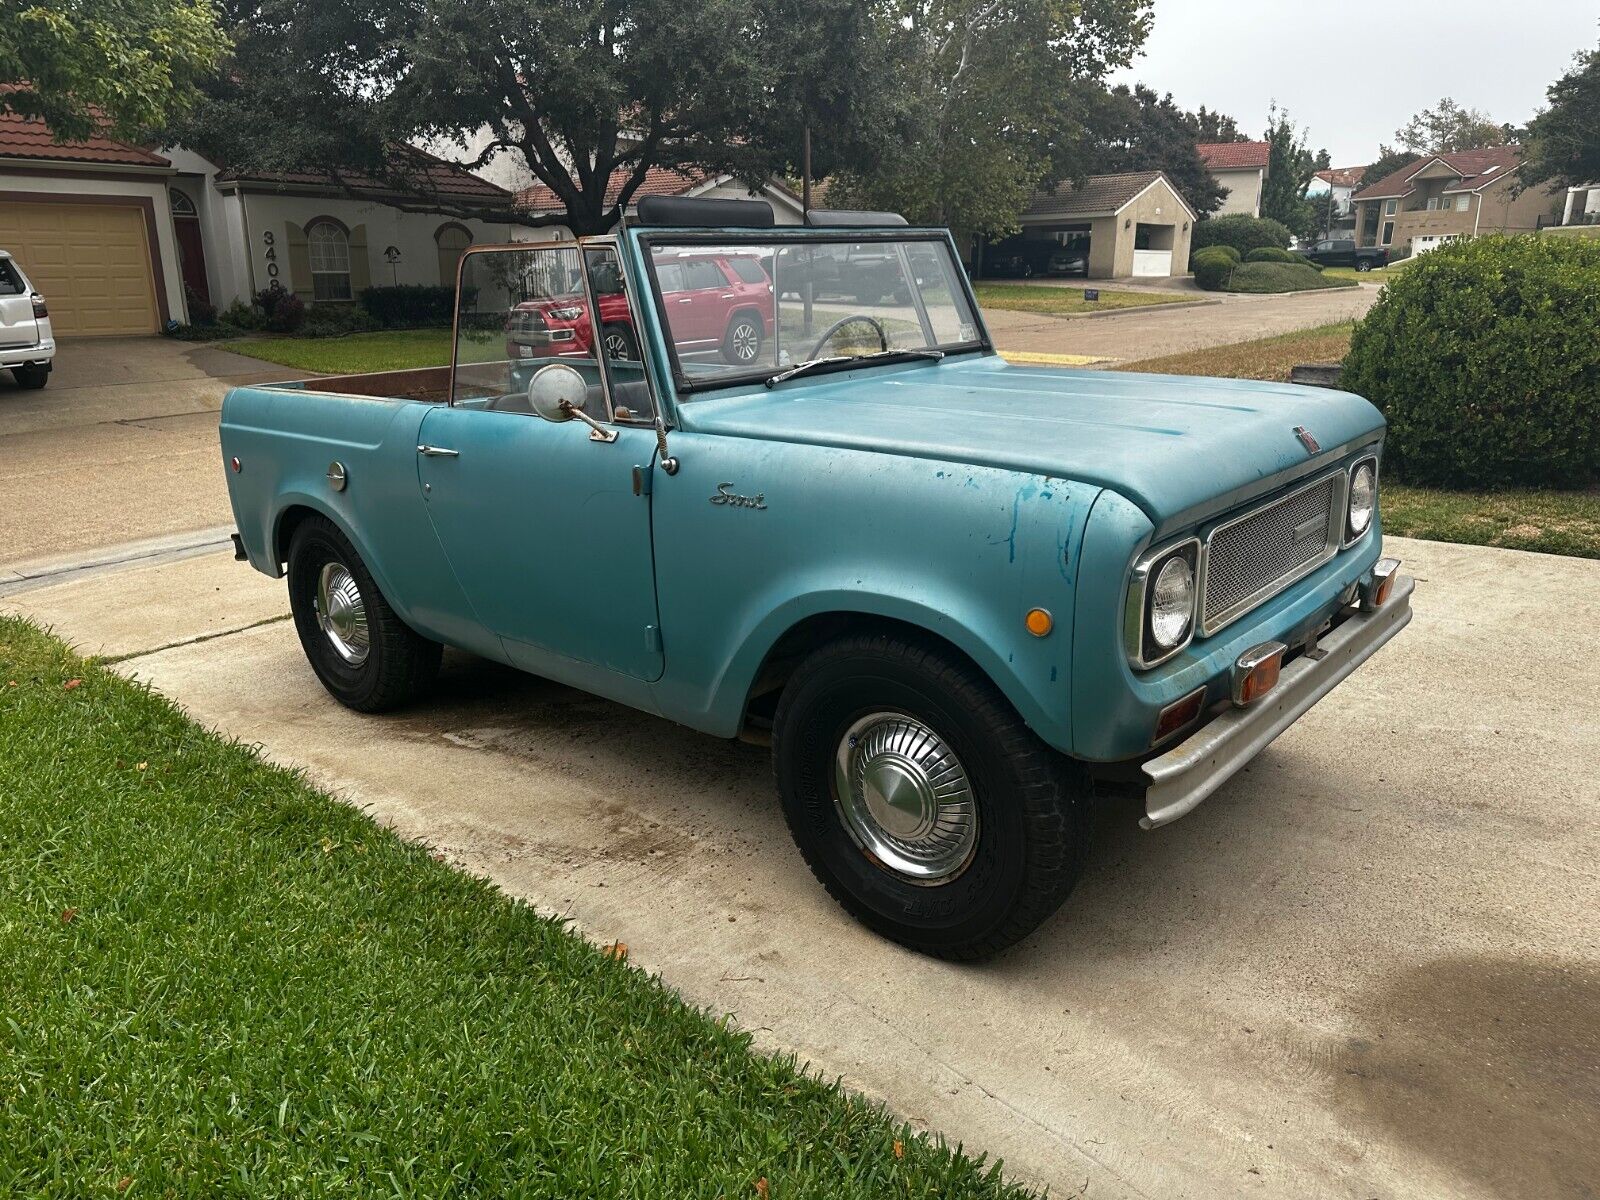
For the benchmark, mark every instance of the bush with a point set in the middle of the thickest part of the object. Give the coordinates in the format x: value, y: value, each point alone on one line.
x: 336, y: 320
x: 1265, y: 278
x: 1244, y: 233
x: 410, y: 305
x: 201, y: 312
x: 1304, y: 261
x: 1489, y: 375
x: 240, y: 315
x: 1271, y: 254
x: 1213, y: 266
x: 281, y: 310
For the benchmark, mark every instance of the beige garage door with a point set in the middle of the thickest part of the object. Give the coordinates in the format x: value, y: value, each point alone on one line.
x: 90, y: 261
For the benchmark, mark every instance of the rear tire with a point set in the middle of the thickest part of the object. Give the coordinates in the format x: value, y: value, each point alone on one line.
x: 880, y: 725
x: 1363, y: 264
x: 366, y: 656
x: 32, y: 376
x: 741, y: 344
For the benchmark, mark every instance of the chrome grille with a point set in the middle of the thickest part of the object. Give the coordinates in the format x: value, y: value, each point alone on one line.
x: 1252, y: 558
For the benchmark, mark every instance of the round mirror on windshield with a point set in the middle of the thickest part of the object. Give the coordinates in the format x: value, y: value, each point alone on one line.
x: 555, y: 390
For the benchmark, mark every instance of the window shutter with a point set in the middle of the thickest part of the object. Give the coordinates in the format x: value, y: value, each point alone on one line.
x: 299, y: 260
x: 360, y: 268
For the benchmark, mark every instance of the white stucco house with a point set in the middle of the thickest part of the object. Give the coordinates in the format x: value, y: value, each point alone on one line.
x: 1241, y: 168
x: 119, y: 238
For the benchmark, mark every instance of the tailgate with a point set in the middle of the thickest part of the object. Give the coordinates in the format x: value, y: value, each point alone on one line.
x: 17, y: 324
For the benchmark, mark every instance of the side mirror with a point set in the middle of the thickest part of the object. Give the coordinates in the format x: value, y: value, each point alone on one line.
x: 557, y: 391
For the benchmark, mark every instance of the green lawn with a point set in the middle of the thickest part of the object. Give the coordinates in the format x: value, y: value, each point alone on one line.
x: 1547, y: 521
x: 217, y: 981
x: 392, y: 350
x: 1381, y: 275
x: 1054, y: 301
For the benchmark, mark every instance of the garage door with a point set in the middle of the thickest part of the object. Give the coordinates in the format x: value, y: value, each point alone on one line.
x: 90, y: 261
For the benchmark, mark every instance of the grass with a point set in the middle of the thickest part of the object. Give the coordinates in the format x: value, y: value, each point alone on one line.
x: 1269, y: 358
x: 392, y: 350
x: 1056, y: 301
x: 218, y: 981
x: 1381, y: 275
x: 1547, y: 521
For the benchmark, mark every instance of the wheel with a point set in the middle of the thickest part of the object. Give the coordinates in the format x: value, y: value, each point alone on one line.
x: 619, y: 343
x: 365, y: 655
x: 741, y: 344
x: 32, y: 376
x: 1363, y: 264
x: 921, y: 800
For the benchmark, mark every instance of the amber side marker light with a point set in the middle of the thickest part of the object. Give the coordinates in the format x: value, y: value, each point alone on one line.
x: 1375, y: 593
x: 1255, y: 672
x: 1040, y: 622
x: 1178, y: 714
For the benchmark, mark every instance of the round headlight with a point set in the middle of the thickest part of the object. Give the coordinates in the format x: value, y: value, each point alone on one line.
x: 1363, y: 498
x: 1172, y: 602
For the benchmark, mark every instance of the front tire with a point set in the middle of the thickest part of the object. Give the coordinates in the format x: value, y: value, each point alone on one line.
x: 32, y: 376
x: 619, y: 343
x: 920, y: 799
x: 366, y: 656
x: 741, y: 344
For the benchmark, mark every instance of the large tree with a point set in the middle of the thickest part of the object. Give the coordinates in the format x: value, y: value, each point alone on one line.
x: 1137, y: 129
x: 1290, y: 168
x: 119, y: 66
x: 990, y: 100
x: 1212, y: 126
x: 578, y: 90
x: 1389, y: 161
x: 1563, y: 146
x: 1447, y: 127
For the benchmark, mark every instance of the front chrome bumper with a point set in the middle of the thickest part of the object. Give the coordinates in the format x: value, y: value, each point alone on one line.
x: 1188, y: 773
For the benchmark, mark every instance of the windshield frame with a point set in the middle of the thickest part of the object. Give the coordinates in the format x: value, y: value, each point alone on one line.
x: 685, y: 385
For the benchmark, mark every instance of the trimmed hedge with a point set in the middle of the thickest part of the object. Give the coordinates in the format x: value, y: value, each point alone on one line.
x: 1483, y: 355
x: 1264, y: 278
x: 410, y: 305
x: 1271, y: 254
x: 1213, y: 266
x: 1244, y: 233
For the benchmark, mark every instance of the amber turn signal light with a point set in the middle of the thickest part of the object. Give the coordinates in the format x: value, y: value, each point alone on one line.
x: 1040, y: 622
x: 1178, y: 714
x: 1255, y: 672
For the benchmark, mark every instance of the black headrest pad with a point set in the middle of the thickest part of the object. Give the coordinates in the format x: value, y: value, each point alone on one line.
x: 681, y: 211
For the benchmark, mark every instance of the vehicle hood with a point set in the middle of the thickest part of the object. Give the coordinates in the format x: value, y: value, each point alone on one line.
x: 1170, y: 444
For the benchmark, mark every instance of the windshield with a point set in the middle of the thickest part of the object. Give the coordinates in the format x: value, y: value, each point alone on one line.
x: 749, y: 309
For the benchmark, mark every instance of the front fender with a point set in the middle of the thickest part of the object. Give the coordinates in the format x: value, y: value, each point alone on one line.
x: 959, y: 551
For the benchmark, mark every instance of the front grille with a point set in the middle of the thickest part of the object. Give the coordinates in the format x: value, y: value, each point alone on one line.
x: 1254, y: 557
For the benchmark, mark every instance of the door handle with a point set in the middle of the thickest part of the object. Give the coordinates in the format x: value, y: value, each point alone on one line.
x: 686, y: 300
x: 438, y: 452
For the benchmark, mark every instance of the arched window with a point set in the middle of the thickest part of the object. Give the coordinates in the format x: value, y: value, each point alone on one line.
x: 182, y: 206
x: 453, y: 241
x: 329, y: 248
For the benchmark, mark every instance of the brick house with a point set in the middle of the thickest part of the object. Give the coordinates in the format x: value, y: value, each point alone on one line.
x: 1444, y: 197
x: 1241, y: 168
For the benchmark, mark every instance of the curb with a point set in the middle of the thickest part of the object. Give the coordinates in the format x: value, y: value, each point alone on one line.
x: 43, y: 572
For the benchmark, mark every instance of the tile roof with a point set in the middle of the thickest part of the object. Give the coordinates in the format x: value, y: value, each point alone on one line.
x: 1343, y: 176
x: 433, y: 174
x: 28, y: 137
x: 658, y: 181
x: 1100, y: 195
x: 1235, y: 156
x: 1475, y: 167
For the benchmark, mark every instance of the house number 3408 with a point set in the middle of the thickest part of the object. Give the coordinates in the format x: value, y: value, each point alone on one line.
x: 270, y: 243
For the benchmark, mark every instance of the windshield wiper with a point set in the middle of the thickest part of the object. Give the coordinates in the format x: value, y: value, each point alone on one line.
x: 812, y: 364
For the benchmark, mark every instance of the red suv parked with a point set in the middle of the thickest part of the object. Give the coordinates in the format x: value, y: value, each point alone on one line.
x: 719, y: 302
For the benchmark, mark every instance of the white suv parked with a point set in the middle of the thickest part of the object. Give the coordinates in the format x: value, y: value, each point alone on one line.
x: 27, y: 343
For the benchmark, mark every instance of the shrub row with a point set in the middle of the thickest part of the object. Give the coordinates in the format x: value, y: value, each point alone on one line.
x: 1242, y: 232
x: 277, y: 310
x: 1483, y: 356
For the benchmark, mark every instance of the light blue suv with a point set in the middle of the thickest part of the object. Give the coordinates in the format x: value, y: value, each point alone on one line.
x: 960, y: 599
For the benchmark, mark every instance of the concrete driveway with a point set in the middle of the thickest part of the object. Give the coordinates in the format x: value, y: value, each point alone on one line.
x: 121, y: 445
x: 1369, y: 967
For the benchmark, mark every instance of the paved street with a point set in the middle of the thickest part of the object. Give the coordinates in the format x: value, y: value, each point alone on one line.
x: 122, y: 445
x: 1369, y: 967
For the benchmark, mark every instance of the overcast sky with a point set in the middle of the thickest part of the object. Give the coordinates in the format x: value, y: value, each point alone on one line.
x: 1354, y: 71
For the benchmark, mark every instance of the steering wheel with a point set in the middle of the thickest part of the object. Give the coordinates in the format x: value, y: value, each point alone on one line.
x: 883, y: 337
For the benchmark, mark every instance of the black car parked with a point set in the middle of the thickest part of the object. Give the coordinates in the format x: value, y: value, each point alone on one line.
x: 1343, y: 252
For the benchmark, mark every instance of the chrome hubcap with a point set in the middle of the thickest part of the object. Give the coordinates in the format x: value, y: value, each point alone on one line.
x: 745, y: 341
x: 905, y: 798
x: 342, y: 614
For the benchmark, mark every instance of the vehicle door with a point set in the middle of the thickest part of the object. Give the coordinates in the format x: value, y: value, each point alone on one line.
x: 1342, y: 253
x: 704, y: 304
x: 18, y: 326
x: 539, y: 518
